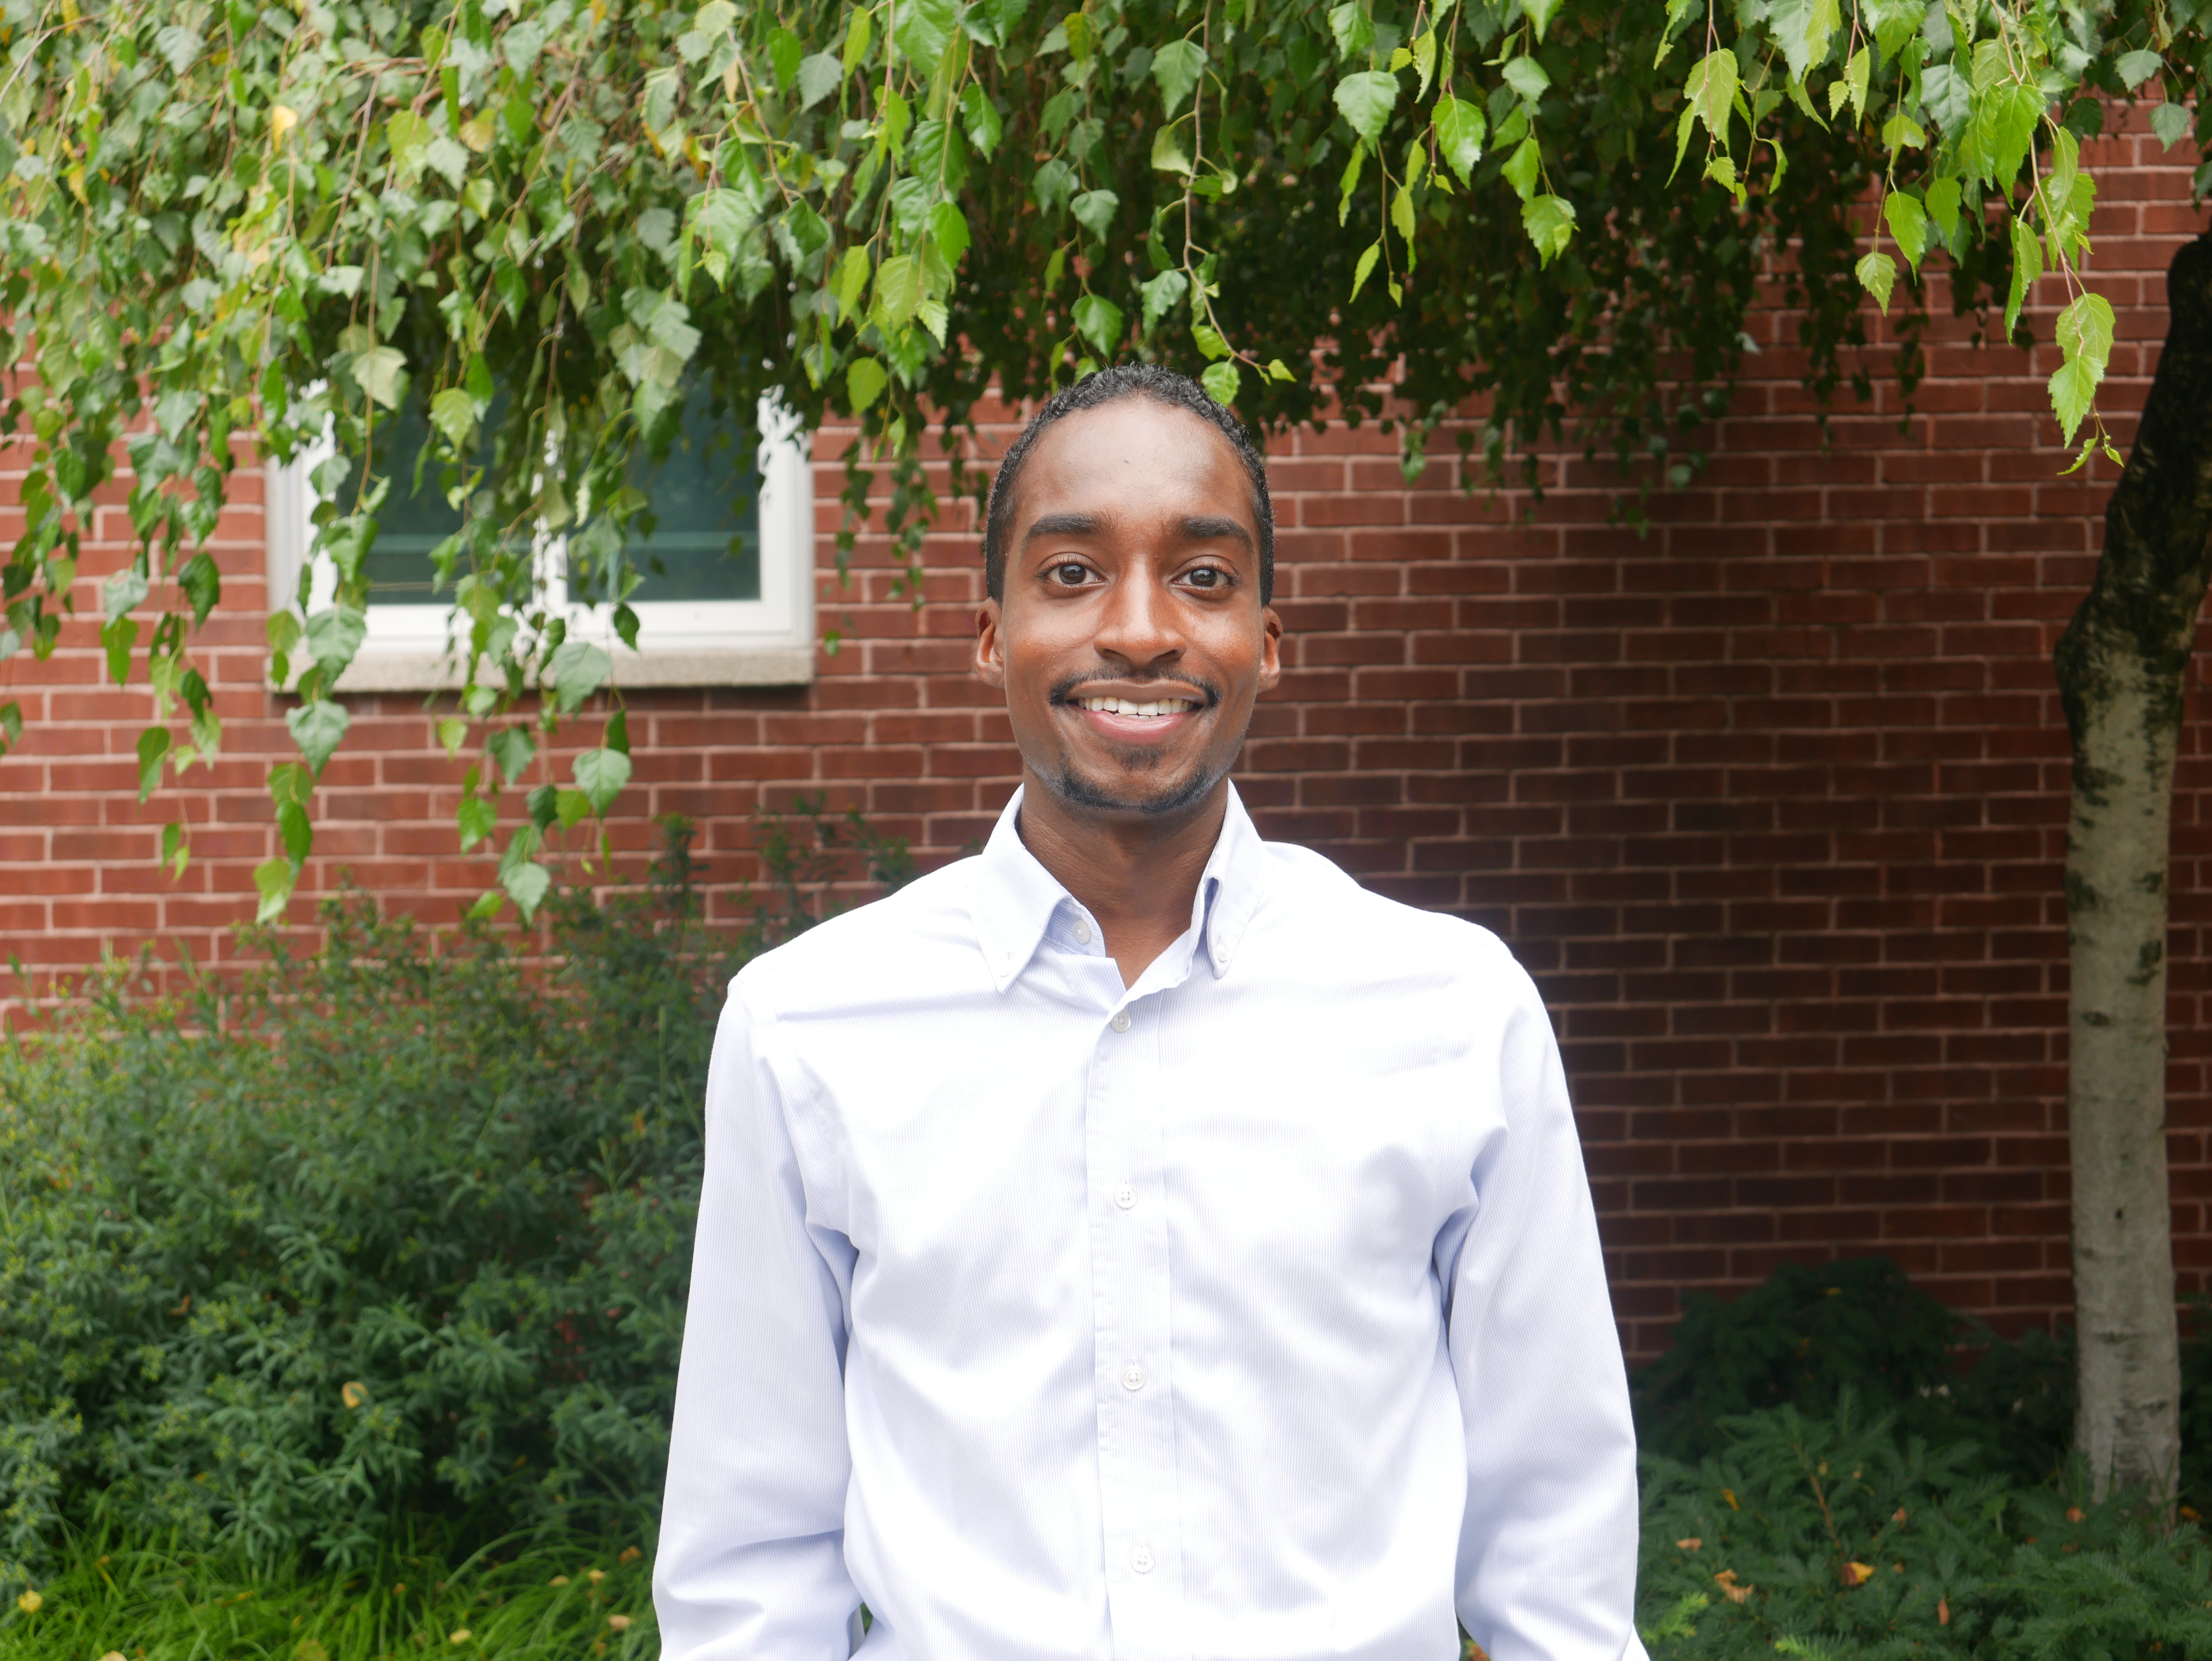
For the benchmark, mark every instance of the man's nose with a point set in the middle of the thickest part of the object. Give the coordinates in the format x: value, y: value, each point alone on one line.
x: 1139, y: 623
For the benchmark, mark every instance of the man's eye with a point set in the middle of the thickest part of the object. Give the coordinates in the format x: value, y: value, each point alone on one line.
x: 1208, y: 576
x: 1070, y: 574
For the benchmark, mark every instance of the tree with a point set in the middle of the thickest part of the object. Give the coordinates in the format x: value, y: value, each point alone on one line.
x: 548, y: 222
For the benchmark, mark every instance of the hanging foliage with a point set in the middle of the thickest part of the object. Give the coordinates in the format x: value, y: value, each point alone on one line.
x: 233, y: 226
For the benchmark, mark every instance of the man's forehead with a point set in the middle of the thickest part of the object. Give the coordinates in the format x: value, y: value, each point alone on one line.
x: 1133, y: 455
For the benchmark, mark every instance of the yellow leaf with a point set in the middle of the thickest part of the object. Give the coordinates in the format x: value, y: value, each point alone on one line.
x: 30, y: 1603
x: 629, y: 1554
x: 1729, y: 1494
x: 1857, y: 1574
x: 281, y: 120
x: 353, y: 1395
x: 618, y: 1623
x: 1690, y: 1544
x: 558, y: 1580
x: 475, y: 133
x: 460, y: 1636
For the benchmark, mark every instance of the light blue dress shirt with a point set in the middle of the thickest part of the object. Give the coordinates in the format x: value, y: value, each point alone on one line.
x: 1253, y: 1310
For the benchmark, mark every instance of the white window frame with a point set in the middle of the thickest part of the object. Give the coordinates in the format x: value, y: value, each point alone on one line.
x: 769, y: 642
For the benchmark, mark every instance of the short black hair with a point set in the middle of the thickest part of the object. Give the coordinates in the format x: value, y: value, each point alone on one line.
x: 1109, y: 386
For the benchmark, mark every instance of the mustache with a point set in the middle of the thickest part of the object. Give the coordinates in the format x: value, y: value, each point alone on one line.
x: 1068, y: 690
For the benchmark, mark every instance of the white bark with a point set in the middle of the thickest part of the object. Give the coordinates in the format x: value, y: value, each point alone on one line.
x: 2128, y: 1427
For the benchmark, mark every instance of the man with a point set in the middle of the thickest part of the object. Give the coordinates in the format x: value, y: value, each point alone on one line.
x: 1139, y: 1241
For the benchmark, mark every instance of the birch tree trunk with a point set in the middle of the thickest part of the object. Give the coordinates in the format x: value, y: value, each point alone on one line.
x: 2121, y: 665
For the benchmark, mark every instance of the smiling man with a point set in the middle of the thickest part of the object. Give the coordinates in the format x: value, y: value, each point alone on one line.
x: 1139, y: 1241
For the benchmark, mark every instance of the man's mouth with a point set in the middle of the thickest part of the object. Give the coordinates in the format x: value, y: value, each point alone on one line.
x: 1149, y: 709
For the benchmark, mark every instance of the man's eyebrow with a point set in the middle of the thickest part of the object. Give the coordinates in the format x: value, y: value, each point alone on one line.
x: 1205, y: 529
x: 1062, y: 525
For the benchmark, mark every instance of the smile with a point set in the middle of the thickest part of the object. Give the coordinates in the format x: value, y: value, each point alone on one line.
x: 1151, y: 710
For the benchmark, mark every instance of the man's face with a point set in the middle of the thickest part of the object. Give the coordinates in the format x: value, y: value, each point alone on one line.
x: 1131, y: 643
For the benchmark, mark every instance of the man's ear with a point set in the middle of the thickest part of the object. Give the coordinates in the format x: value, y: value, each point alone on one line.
x: 1270, y: 649
x: 990, y: 648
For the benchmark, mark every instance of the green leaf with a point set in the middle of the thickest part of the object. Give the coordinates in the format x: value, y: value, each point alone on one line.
x: 981, y: 119
x: 1366, y: 99
x: 453, y: 413
x: 176, y: 853
x: 924, y: 29
x: 864, y: 381
x: 123, y: 592
x: 1804, y: 29
x: 1221, y: 381
x: 1160, y: 296
x: 201, y: 584
x: 1177, y: 68
x: 1094, y: 211
x: 2072, y: 393
x: 1877, y: 274
x: 1365, y: 267
x: 1425, y: 60
x: 1460, y: 128
x: 478, y: 818
x: 1707, y: 96
x: 601, y: 774
x: 1099, y: 321
x: 527, y: 883
x: 512, y: 748
x: 1550, y: 223
x: 2170, y: 121
x: 1540, y: 14
x: 118, y: 637
x: 819, y: 75
x: 2136, y: 67
x: 2026, y: 266
x: 1943, y: 196
x: 1353, y: 29
x: 379, y: 370
x: 11, y: 725
x: 1527, y: 77
x: 453, y: 732
x: 579, y: 669
x: 153, y: 747
x: 948, y: 228
x: 1208, y: 340
x: 1168, y: 152
x: 2085, y: 331
x: 295, y: 830
x: 318, y: 728
x: 900, y: 289
x: 1908, y: 223
x: 274, y: 879
x: 1522, y: 166
x: 571, y: 808
x: 334, y: 636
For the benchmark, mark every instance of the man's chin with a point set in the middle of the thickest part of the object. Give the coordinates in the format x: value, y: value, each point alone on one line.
x: 1128, y: 794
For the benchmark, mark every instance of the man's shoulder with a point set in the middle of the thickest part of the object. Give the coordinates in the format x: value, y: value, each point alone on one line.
x: 1311, y: 893
x: 884, y: 950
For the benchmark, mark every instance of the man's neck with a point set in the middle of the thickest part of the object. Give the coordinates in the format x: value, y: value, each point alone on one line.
x: 1137, y: 873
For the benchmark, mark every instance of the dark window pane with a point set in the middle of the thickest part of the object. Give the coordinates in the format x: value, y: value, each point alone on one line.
x: 705, y: 497
x: 412, y: 521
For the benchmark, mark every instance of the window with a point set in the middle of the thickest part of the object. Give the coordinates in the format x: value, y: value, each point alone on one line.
x: 728, y: 597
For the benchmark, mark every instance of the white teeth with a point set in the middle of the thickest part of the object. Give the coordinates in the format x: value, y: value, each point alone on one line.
x: 1127, y: 707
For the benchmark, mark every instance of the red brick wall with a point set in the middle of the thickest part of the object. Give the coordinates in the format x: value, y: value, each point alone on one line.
x: 1771, y: 800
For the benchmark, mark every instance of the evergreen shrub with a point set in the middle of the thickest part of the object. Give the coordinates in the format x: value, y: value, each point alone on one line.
x: 1835, y: 1465
x: 401, y: 1227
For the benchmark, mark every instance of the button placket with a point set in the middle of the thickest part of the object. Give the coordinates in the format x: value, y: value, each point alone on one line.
x: 1130, y: 1292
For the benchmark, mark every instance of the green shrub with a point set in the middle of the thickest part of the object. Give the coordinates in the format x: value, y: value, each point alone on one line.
x: 1839, y: 1536
x: 388, y: 1230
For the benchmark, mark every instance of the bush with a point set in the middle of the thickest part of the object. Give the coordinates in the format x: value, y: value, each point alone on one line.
x: 1840, y: 1536
x: 388, y: 1230
x: 1835, y: 1464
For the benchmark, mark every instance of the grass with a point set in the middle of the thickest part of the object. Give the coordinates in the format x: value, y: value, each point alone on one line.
x: 518, y: 1599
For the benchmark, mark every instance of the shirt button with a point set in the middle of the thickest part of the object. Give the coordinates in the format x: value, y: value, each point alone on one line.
x: 1133, y: 1379
x: 1125, y: 1196
x: 1121, y: 1021
x: 1141, y: 1559
x: 1082, y: 932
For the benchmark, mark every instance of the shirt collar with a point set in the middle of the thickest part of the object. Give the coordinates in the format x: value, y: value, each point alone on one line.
x: 1014, y: 897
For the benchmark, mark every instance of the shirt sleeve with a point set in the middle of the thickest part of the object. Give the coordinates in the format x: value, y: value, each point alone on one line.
x: 751, y: 1558
x: 1547, y: 1547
